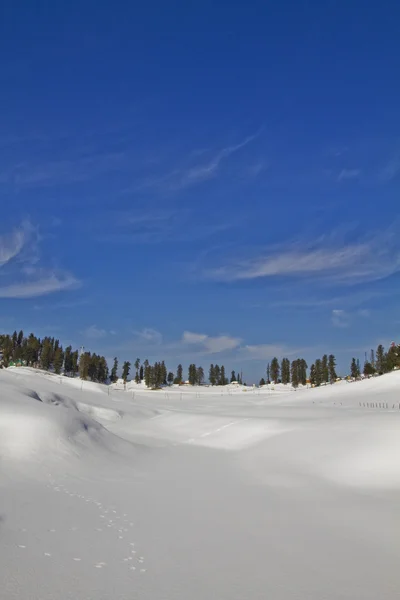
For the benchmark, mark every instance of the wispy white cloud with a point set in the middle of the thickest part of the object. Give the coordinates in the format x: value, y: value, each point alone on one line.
x: 266, y: 351
x: 12, y: 244
x: 45, y: 284
x: 95, y: 333
x: 209, y: 344
x: 184, y: 177
x: 149, y: 335
x: 370, y: 259
x: 22, y: 275
x: 340, y: 318
x: 346, y: 174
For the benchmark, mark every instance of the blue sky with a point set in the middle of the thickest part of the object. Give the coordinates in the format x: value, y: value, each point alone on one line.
x: 207, y: 182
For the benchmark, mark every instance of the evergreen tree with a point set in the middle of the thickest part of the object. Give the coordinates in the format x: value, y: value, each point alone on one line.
x: 114, y: 371
x: 125, y: 370
x: 372, y: 359
x: 358, y: 367
x: 179, y: 374
x: 368, y: 369
x: 268, y: 373
x: 141, y: 373
x: 211, y: 375
x: 353, y: 368
x: 217, y: 373
x: 223, y: 380
x: 313, y: 377
x: 262, y: 382
x: 380, y: 360
x: 147, y: 374
x: 137, y: 367
x: 102, y: 370
x: 46, y: 354
x: 58, y: 360
x: 74, y: 360
x: 163, y: 373
x: 324, y: 369
x: 233, y: 376
x: 192, y: 374
x: 302, y: 371
x: 170, y: 378
x: 7, y: 347
x: 68, y: 360
x: 84, y: 364
x: 93, y: 366
x: 295, y: 373
x: 32, y: 351
x: 332, y: 368
x: 275, y: 370
x: 318, y: 372
x: 285, y: 371
x: 392, y: 358
x: 200, y: 375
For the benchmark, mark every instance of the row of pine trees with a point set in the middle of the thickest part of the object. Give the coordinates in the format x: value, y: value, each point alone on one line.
x: 322, y: 371
x: 48, y: 354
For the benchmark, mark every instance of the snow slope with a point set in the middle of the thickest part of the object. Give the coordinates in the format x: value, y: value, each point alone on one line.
x: 198, y: 493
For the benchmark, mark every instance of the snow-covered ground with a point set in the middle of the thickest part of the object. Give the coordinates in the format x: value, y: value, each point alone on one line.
x: 200, y: 494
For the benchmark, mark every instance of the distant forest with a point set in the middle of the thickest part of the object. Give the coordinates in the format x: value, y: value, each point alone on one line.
x: 49, y: 355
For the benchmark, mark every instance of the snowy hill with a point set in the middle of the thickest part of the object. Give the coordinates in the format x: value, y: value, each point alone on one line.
x: 223, y: 493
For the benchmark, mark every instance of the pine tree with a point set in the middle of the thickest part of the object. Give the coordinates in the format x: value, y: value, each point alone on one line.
x: 58, y: 360
x: 294, y: 373
x: 137, y: 367
x: 324, y: 369
x: 125, y: 370
x: 141, y: 373
x: 372, y: 359
x: 302, y: 371
x: 211, y: 375
x: 192, y: 374
x: 223, y: 380
x: 353, y: 368
x: 318, y: 372
x: 114, y: 371
x: 368, y: 369
x: 233, y: 376
x: 268, y: 373
x: 93, y: 366
x: 217, y: 373
x: 285, y: 371
x: 313, y: 377
x: 102, y: 372
x: 7, y: 348
x: 147, y: 374
x: 332, y: 368
x: 68, y: 360
x: 275, y: 370
x: 170, y: 378
x: 392, y: 358
x: 163, y: 373
x: 46, y: 354
x: 262, y: 382
x: 32, y: 351
x: 74, y: 361
x: 200, y: 375
x: 358, y: 367
x: 84, y: 364
x: 179, y: 374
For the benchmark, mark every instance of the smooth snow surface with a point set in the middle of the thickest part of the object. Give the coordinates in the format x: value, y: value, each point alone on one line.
x: 198, y: 494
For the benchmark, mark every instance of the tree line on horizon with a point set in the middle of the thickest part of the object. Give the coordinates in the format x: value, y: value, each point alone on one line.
x: 49, y: 355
